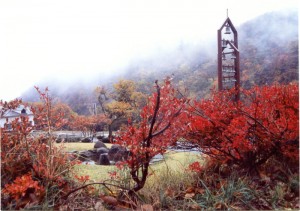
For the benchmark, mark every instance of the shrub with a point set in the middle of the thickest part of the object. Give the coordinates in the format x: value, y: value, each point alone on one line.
x: 159, y: 127
x: 262, y: 125
x: 33, y: 170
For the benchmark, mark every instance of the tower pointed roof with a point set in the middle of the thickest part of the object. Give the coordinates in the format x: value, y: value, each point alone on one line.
x: 228, y: 21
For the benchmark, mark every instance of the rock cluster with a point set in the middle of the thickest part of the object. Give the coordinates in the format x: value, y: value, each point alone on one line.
x: 72, y: 138
x: 104, y: 139
x: 65, y: 138
x: 104, y: 156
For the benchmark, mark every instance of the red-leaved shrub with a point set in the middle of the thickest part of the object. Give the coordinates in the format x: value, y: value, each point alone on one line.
x: 33, y: 170
x: 264, y: 124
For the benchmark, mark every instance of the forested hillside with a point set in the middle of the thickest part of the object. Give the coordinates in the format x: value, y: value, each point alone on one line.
x: 269, y: 49
x: 269, y: 54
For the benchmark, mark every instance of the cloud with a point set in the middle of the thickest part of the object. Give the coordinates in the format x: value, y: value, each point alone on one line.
x: 72, y: 40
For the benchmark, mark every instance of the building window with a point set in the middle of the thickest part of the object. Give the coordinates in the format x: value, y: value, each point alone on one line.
x: 7, y: 126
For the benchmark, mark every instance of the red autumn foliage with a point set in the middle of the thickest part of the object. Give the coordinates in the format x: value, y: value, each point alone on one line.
x: 88, y: 124
x: 31, y: 165
x: 160, y: 126
x: 60, y: 116
x: 22, y: 186
x: 49, y: 116
x: 262, y: 125
x: 82, y: 179
x: 195, y: 167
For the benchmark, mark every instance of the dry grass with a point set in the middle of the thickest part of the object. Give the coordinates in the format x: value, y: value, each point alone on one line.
x: 97, y: 173
x: 177, y: 160
x: 169, y: 179
x: 173, y: 161
x: 169, y: 182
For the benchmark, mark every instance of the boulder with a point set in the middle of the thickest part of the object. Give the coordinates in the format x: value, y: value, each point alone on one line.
x: 101, y: 150
x: 117, y: 153
x: 86, y: 140
x: 73, y: 139
x: 105, y: 140
x: 103, y: 159
x: 68, y: 139
x: 59, y: 140
x: 100, y: 137
x: 99, y: 144
x: 88, y: 155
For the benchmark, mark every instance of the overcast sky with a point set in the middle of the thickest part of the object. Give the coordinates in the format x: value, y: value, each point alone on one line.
x: 72, y: 39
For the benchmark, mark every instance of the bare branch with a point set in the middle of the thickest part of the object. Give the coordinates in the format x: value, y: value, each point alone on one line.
x: 155, y: 114
x: 94, y: 183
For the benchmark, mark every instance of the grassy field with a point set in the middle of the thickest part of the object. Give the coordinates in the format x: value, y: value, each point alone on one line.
x: 171, y: 186
x: 177, y: 160
x: 173, y: 161
x: 97, y: 173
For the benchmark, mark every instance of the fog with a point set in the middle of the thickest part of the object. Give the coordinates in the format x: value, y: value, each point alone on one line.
x: 67, y: 41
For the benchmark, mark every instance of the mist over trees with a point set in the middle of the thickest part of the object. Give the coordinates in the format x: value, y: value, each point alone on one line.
x: 230, y: 153
x: 269, y: 54
x: 269, y: 49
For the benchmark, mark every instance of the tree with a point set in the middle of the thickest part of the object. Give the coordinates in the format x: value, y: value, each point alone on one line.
x: 160, y: 126
x: 59, y: 112
x: 121, y: 104
x: 264, y: 124
x: 87, y: 124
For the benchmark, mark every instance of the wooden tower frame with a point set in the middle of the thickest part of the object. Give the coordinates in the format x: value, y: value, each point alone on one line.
x: 228, y: 74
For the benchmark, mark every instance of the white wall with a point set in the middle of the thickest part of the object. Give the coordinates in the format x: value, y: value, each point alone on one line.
x: 10, y: 119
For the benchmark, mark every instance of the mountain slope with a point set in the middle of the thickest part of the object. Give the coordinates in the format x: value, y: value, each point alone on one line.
x: 269, y: 49
x: 269, y: 54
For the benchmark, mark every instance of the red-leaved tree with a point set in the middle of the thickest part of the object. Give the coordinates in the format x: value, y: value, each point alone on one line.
x: 262, y: 125
x: 87, y: 125
x: 159, y: 127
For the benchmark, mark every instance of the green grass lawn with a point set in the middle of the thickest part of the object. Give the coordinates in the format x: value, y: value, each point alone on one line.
x: 177, y: 160
x: 168, y: 174
x: 97, y: 173
x: 173, y: 161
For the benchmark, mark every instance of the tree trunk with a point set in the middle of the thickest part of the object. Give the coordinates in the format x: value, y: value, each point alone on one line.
x: 110, y: 133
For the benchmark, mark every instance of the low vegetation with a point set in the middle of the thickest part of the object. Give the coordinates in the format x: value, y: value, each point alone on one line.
x: 247, y: 156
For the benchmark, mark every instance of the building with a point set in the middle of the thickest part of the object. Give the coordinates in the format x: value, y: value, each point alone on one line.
x: 9, y: 115
x: 228, y: 58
